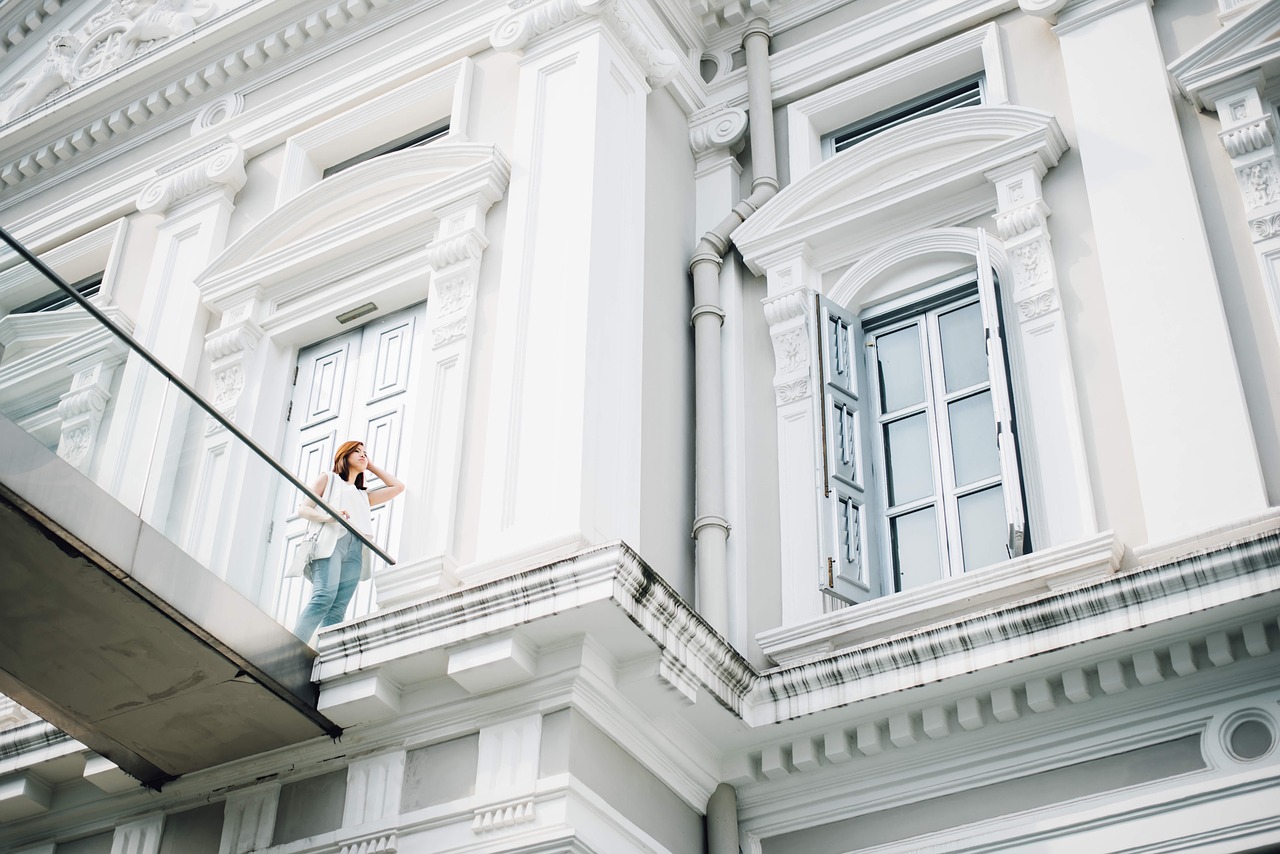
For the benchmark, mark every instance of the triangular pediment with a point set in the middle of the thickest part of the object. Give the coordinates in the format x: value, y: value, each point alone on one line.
x: 1248, y: 44
x: 934, y: 165
x: 373, y: 210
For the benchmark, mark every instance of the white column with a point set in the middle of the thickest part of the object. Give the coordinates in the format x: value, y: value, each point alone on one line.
x: 1061, y: 503
x: 195, y: 199
x: 563, y: 444
x: 793, y: 283
x: 249, y: 819
x: 1192, y: 440
x: 716, y: 135
x: 373, y: 789
x: 428, y: 559
x: 139, y: 837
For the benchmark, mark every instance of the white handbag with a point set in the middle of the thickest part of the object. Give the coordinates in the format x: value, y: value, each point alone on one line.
x: 305, y: 552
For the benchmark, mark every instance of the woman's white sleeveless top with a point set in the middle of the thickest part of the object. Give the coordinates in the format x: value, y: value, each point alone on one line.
x: 355, y: 502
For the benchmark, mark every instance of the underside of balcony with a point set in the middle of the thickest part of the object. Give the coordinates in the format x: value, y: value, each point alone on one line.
x: 116, y: 636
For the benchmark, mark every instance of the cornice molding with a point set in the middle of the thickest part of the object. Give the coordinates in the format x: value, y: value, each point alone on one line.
x: 1235, y: 51
x: 21, y: 19
x: 180, y: 83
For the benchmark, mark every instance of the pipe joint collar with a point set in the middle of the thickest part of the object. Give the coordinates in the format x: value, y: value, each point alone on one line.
x: 710, y: 520
x: 756, y: 27
x: 706, y: 308
x: 707, y: 257
x: 765, y: 181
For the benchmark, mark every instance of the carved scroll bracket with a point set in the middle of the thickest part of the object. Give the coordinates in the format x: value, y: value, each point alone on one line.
x: 221, y: 167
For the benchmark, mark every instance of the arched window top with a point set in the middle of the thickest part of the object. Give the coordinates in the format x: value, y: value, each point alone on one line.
x: 861, y: 197
x: 902, y: 265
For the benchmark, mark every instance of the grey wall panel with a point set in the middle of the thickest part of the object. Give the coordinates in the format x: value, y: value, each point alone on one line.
x: 439, y: 773
x: 99, y: 843
x: 195, y: 831
x: 631, y: 789
x: 311, y: 806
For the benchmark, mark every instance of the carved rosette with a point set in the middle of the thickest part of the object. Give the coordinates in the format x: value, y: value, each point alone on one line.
x: 228, y: 347
x: 81, y: 411
x: 220, y: 168
x: 531, y: 21
x: 789, y: 328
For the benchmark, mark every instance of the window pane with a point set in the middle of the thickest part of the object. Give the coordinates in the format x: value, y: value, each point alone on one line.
x: 973, y: 438
x: 964, y: 350
x: 916, y: 559
x: 901, y: 380
x: 984, y: 531
x: 906, y: 450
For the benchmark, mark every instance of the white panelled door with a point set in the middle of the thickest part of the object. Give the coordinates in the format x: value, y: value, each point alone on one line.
x: 360, y: 385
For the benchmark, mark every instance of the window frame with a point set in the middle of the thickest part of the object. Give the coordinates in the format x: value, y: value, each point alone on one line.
x: 900, y: 113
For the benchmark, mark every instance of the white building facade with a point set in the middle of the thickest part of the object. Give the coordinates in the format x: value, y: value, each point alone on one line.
x: 935, y: 510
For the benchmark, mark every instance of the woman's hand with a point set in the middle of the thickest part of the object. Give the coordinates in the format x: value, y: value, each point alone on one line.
x: 390, y: 489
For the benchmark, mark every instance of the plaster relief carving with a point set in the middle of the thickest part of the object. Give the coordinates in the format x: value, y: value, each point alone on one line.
x: 1033, y: 307
x: 1019, y: 221
x: 454, y: 294
x: 791, y: 350
x: 462, y: 247
x: 228, y: 384
x: 793, y: 391
x: 712, y: 130
x: 448, y: 333
x: 787, y: 306
x: 51, y: 77
x: 122, y: 30
x: 1260, y: 184
x: 1265, y: 227
x: 73, y: 446
x: 226, y: 107
x: 1031, y: 270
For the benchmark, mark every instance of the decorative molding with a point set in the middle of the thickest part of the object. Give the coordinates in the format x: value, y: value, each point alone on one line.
x: 1244, y: 140
x: 249, y: 818
x: 1033, y: 307
x: 448, y: 333
x: 179, y: 88
x: 218, y: 111
x: 221, y: 167
x: 793, y: 391
x: 456, y: 249
x: 791, y: 349
x: 1020, y: 220
x: 81, y: 410
x: 503, y: 816
x: 1264, y: 228
x: 787, y: 306
x: 716, y: 129
x: 19, y: 20
x: 383, y: 844
x: 1260, y: 184
x: 531, y: 21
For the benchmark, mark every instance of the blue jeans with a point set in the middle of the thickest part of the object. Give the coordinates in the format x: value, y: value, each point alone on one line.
x: 333, y: 583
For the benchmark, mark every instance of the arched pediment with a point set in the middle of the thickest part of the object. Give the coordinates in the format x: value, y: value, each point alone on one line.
x: 935, y: 166
x: 375, y: 209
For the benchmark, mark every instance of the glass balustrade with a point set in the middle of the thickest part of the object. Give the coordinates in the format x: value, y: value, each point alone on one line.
x: 72, y: 376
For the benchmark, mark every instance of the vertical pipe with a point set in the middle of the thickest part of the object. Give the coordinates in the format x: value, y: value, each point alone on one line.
x: 722, y: 820
x: 711, y: 528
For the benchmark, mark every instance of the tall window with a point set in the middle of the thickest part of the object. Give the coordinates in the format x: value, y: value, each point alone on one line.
x: 930, y: 408
x: 413, y: 140
x: 964, y: 93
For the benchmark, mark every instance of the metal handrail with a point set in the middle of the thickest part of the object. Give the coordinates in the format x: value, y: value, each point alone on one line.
x: 208, y: 407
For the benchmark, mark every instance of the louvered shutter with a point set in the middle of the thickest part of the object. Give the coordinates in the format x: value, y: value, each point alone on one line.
x: 1001, y: 399
x: 848, y: 573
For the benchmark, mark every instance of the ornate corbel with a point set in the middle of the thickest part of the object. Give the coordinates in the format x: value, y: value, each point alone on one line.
x: 228, y: 347
x: 81, y: 411
x: 220, y: 167
x: 1021, y: 219
x: 1248, y: 135
x: 788, y: 317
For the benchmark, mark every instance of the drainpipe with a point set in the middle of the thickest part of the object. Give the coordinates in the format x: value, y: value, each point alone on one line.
x: 722, y: 820
x: 711, y: 528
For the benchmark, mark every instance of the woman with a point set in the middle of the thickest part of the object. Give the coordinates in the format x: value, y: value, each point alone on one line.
x: 334, y: 576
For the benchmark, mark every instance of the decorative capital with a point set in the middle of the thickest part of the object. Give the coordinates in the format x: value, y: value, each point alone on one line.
x: 717, y: 128
x: 222, y: 166
x: 529, y: 21
x: 778, y: 310
x: 1047, y: 9
x: 237, y: 337
x: 456, y: 249
x: 1247, y: 139
x: 1018, y: 221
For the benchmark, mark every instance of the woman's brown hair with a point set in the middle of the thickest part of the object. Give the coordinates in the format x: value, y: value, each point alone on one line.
x: 340, y: 467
